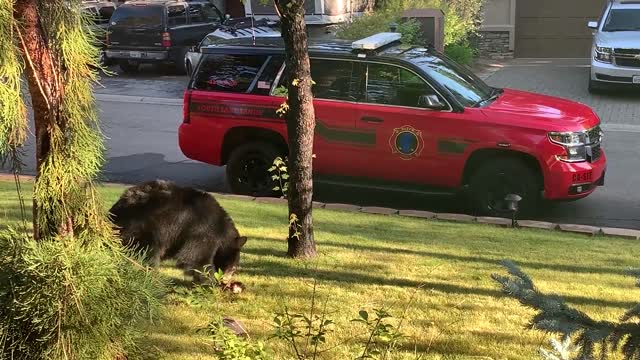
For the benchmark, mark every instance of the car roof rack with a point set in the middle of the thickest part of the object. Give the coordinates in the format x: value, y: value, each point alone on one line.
x: 375, y: 42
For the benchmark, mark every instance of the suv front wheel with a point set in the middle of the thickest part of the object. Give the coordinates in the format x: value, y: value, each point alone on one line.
x: 248, y: 169
x: 493, y: 181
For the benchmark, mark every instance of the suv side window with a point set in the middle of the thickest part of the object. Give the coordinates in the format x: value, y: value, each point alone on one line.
x: 393, y: 85
x: 336, y: 79
x: 177, y: 15
x: 203, y: 13
x: 231, y: 73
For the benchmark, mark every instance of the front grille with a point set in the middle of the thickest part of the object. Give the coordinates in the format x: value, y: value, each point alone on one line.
x: 634, y: 63
x: 594, y: 137
x: 631, y: 52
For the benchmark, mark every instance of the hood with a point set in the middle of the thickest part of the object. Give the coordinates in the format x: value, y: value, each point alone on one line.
x: 619, y: 39
x: 548, y: 112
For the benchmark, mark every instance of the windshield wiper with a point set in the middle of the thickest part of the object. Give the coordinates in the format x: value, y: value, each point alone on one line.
x: 495, y: 93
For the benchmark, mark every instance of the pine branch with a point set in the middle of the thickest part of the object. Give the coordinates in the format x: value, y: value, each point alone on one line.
x: 556, y: 316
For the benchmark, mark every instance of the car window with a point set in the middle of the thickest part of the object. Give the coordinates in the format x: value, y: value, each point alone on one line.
x: 336, y: 79
x: 208, y: 40
x: 622, y: 20
x: 393, y: 85
x: 268, y: 75
x: 466, y: 87
x: 177, y: 15
x: 229, y: 73
x: 203, y: 13
x: 138, y: 16
x: 106, y: 12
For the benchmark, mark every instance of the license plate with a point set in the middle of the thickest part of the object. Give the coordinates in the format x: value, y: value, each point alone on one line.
x: 135, y: 54
x: 636, y: 79
x: 585, y: 176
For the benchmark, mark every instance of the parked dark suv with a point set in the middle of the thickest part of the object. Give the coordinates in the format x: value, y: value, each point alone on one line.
x: 159, y: 31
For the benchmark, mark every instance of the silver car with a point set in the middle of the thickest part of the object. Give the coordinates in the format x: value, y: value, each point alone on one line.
x: 615, y: 54
x: 260, y: 29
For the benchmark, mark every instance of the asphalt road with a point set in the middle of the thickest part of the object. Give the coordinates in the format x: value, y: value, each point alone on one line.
x: 142, y: 145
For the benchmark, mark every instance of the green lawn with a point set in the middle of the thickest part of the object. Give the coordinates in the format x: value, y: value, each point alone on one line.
x: 370, y: 261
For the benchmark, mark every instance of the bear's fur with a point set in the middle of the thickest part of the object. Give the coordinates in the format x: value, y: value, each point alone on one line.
x: 176, y: 222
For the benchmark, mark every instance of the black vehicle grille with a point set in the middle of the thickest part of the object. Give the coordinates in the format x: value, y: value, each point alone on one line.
x: 595, y: 137
x: 627, y: 52
x: 634, y: 63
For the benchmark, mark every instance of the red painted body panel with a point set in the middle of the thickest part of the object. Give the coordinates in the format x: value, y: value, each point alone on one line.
x: 436, y: 153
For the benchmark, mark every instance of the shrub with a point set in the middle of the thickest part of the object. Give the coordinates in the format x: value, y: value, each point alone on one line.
x: 462, y: 19
x: 72, y: 298
x: 462, y: 54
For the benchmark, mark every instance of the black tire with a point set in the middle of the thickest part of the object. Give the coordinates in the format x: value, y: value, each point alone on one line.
x: 179, y: 65
x: 595, y: 87
x: 247, y: 169
x: 129, y: 67
x: 492, y: 181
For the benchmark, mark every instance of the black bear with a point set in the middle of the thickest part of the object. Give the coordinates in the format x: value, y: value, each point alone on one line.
x: 176, y: 222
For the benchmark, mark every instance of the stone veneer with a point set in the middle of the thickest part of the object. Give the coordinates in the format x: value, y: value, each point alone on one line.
x: 494, y: 45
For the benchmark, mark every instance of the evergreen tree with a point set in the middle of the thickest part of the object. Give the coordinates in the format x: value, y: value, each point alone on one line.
x: 594, y: 339
x: 49, y: 43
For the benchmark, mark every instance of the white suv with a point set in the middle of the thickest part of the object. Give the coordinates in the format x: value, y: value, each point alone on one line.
x: 615, y: 54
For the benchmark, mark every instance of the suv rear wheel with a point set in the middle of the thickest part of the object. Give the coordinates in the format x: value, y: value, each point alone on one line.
x: 129, y: 67
x: 248, y: 169
x: 496, y: 179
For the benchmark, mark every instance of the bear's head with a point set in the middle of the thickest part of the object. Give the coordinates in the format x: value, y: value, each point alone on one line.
x: 228, y: 258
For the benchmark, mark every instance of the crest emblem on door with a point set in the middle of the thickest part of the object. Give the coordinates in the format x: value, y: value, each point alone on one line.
x: 406, y: 142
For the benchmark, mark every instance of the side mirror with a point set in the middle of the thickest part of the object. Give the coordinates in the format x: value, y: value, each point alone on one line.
x: 592, y: 25
x: 431, y: 102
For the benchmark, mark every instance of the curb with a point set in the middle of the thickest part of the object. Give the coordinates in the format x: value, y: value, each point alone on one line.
x: 591, y: 231
x: 138, y: 99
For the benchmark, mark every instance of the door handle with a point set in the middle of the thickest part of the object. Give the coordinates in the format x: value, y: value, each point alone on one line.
x: 372, y: 119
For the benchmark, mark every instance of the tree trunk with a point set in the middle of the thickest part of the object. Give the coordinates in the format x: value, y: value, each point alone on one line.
x: 45, y: 89
x: 300, y: 126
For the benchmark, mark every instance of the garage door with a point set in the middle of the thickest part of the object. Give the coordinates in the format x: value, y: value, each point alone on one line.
x: 555, y: 28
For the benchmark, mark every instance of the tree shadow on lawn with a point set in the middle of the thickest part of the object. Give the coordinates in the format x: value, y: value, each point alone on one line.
x: 266, y: 267
x: 444, y: 344
x: 477, y: 259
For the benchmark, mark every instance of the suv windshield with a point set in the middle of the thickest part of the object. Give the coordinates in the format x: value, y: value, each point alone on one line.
x: 623, y: 20
x: 466, y: 87
x: 138, y: 16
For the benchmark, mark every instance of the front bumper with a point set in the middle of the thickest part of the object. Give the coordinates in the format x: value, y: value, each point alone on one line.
x: 614, y: 74
x: 569, y: 181
x: 137, y: 55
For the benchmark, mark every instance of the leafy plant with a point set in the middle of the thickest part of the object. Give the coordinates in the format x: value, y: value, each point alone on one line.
x: 460, y: 53
x: 201, y: 295
x: 303, y: 333
x: 593, y: 338
x: 280, y: 174
x: 383, y: 338
x: 229, y: 346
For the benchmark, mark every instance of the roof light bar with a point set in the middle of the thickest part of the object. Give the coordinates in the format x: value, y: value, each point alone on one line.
x: 376, y: 41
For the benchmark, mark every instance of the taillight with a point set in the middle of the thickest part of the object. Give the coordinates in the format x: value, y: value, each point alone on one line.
x: 166, y: 39
x: 186, y: 102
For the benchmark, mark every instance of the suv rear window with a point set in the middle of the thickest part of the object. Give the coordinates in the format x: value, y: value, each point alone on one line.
x: 138, y: 16
x: 252, y: 74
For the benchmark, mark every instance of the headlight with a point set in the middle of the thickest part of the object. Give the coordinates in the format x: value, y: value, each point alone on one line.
x: 573, y: 142
x: 603, y: 54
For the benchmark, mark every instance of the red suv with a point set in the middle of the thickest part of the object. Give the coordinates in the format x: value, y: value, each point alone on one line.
x: 391, y: 115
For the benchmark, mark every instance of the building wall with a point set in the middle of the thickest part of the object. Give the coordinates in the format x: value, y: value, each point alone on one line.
x: 497, y: 33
